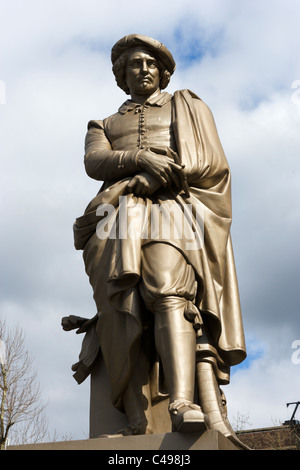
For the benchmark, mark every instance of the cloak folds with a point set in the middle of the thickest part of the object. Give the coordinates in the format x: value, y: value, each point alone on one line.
x: 113, y: 263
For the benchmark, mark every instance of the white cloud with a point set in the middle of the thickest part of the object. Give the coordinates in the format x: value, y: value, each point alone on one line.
x: 57, y: 74
x: 262, y: 393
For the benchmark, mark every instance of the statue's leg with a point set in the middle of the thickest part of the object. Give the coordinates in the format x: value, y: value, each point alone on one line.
x: 211, y: 400
x: 168, y: 285
x: 175, y: 341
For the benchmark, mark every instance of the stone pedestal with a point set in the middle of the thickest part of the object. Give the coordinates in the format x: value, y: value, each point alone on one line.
x: 175, y: 442
x: 106, y: 419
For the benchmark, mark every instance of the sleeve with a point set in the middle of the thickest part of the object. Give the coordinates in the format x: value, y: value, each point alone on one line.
x: 103, y: 163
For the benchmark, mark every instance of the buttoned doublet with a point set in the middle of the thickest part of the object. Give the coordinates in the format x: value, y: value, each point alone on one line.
x: 112, y: 145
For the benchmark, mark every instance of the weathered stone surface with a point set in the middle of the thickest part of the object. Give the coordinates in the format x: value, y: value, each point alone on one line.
x: 209, y: 440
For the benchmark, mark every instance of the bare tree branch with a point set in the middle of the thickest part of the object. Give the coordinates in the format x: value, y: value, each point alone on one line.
x: 22, y: 417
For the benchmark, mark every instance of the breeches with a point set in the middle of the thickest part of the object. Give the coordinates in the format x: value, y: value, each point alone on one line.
x: 165, y: 273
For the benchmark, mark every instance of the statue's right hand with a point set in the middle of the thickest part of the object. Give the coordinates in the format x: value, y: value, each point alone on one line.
x: 159, y: 165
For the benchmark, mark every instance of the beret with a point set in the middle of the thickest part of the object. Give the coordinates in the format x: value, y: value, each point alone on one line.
x: 138, y: 40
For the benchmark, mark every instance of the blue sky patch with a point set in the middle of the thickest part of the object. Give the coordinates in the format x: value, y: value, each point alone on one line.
x: 195, y: 42
x: 251, y: 101
x: 255, y: 351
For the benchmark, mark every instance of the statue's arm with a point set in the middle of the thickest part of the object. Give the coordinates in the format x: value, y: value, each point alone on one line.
x: 103, y: 163
x: 206, y: 166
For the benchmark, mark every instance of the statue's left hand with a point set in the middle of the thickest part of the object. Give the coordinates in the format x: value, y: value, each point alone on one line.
x: 143, y: 184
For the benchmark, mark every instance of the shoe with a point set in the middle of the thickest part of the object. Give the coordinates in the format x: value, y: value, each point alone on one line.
x: 135, y: 427
x: 187, y: 417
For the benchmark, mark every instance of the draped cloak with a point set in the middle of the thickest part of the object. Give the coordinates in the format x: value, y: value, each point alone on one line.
x: 113, y: 263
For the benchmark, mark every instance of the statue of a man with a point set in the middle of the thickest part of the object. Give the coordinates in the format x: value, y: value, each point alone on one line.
x: 157, y: 248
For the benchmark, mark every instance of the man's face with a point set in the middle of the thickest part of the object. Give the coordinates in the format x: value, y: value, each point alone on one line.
x: 142, y: 73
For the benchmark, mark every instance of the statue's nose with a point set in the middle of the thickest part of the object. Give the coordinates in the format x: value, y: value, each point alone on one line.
x: 145, y: 68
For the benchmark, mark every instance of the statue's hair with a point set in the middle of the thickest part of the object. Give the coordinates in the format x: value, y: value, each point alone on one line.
x: 119, y: 70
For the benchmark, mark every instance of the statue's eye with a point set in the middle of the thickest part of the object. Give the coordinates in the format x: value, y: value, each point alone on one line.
x: 152, y: 64
x: 135, y: 64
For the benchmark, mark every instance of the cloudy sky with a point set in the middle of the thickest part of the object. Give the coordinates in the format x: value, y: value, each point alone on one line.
x: 243, y: 60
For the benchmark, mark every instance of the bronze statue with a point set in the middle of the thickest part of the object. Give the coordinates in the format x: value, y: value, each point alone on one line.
x: 157, y: 249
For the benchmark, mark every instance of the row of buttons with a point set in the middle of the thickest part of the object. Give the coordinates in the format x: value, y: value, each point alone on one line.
x: 142, y: 137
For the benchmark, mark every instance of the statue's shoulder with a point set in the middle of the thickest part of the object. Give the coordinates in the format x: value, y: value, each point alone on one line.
x: 188, y: 94
x: 191, y: 98
x: 97, y: 124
